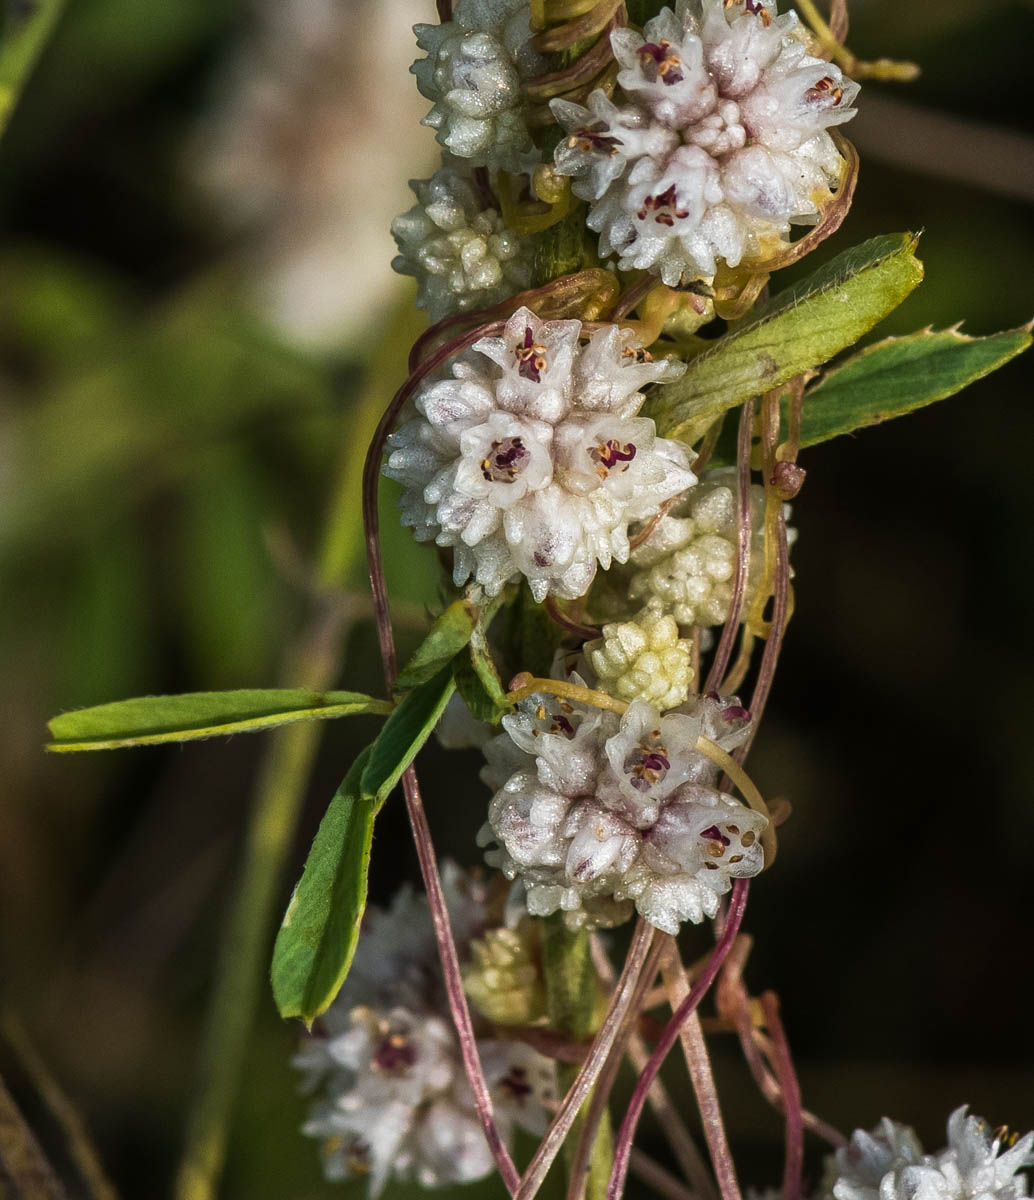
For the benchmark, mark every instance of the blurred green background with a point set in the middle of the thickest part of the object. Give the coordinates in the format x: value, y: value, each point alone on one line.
x: 193, y: 286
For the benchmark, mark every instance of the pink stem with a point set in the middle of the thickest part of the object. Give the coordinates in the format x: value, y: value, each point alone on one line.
x: 791, y: 1099
x: 626, y: 1135
x: 774, y: 641
x: 739, y: 588
x: 567, y: 1113
x: 414, y: 804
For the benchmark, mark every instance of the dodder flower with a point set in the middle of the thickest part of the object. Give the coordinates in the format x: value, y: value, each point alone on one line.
x: 461, y: 254
x: 473, y: 71
x: 889, y: 1164
x: 597, y: 813
x: 721, y: 146
x: 531, y: 459
x: 392, y: 1097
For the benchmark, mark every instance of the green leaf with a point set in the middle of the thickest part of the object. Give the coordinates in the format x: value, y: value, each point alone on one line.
x: 404, y: 732
x: 318, y: 936
x: 148, y: 720
x: 447, y: 637
x: 900, y: 374
x: 23, y: 37
x: 803, y: 326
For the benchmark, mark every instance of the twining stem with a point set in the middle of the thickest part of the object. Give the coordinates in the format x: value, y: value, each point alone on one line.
x: 590, y: 1169
x: 626, y: 1134
x: 567, y: 1113
x: 312, y: 660
x: 701, y: 1076
x: 739, y: 587
x: 679, y: 1138
x: 791, y: 1098
x: 572, y: 995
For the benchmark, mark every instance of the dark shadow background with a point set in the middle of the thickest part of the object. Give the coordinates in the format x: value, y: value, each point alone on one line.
x: 155, y: 436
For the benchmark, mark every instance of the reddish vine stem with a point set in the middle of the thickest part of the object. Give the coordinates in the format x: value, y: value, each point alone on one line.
x: 583, y: 70
x: 636, y: 293
x: 581, y: 1165
x: 414, y: 804
x: 702, y: 1078
x: 791, y: 1098
x: 567, y: 1113
x: 587, y: 633
x: 720, y: 662
x: 626, y: 1135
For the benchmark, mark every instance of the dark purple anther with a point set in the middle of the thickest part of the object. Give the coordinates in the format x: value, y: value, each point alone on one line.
x: 531, y: 359
x: 655, y: 762
x: 506, y: 460
x: 735, y: 713
x: 669, y: 66
x: 562, y: 725
x: 714, y: 834
x: 608, y: 454
x: 516, y: 1083
x: 664, y: 208
x: 395, y: 1054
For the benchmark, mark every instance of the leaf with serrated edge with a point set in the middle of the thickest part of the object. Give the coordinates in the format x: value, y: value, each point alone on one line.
x: 445, y: 639
x: 404, y: 732
x: 899, y: 375
x: 802, y: 327
x: 318, y: 936
x: 150, y: 720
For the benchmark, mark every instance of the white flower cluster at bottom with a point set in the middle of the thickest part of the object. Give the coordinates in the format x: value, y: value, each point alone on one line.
x: 393, y: 1100
x: 889, y: 1164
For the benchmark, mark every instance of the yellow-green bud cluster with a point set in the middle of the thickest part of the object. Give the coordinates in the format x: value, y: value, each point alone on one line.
x: 644, y: 659
x: 503, y: 980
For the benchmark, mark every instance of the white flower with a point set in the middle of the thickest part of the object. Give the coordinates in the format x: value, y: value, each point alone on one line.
x: 460, y: 253
x: 473, y: 72
x: 531, y: 459
x: 597, y: 813
x: 721, y: 146
x: 392, y: 1097
x: 643, y: 659
x: 889, y: 1164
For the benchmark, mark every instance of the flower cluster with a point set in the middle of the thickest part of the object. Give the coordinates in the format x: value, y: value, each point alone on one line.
x: 597, y: 813
x: 393, y: 1101
x: 473, y: 72
x: 643, y: 659
x: 461, y: 254
x: 531, y: 460
x: 720, y: 146
x: 889, y: 1164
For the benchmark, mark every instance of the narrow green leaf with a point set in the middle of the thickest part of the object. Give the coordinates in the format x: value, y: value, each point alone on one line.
x: 446, y: 638
x: 320, y: 930
x: 22, y: 38
x: 148, y: 720
x: 900, y: 374
x: 803, y: 326
x: 404, y: 732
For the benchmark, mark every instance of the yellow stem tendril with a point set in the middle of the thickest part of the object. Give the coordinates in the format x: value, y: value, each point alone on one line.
x: 888, y: 70
x: 570, y: 691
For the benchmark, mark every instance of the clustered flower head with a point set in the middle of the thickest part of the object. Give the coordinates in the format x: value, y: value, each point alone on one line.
x: 687, y: 566
x: 720, y: 144
x: 978, y: 1163
x: 643, y: 659
x: 392, y: 1097
x: 461, y: 254
x: 531, y: 460
x: 473, y: 72
x: 597, y: 813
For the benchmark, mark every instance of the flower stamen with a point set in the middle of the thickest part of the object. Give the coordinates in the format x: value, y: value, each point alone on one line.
x: 607, y: 455
x: 531, y: 358
x: 506, y: 460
